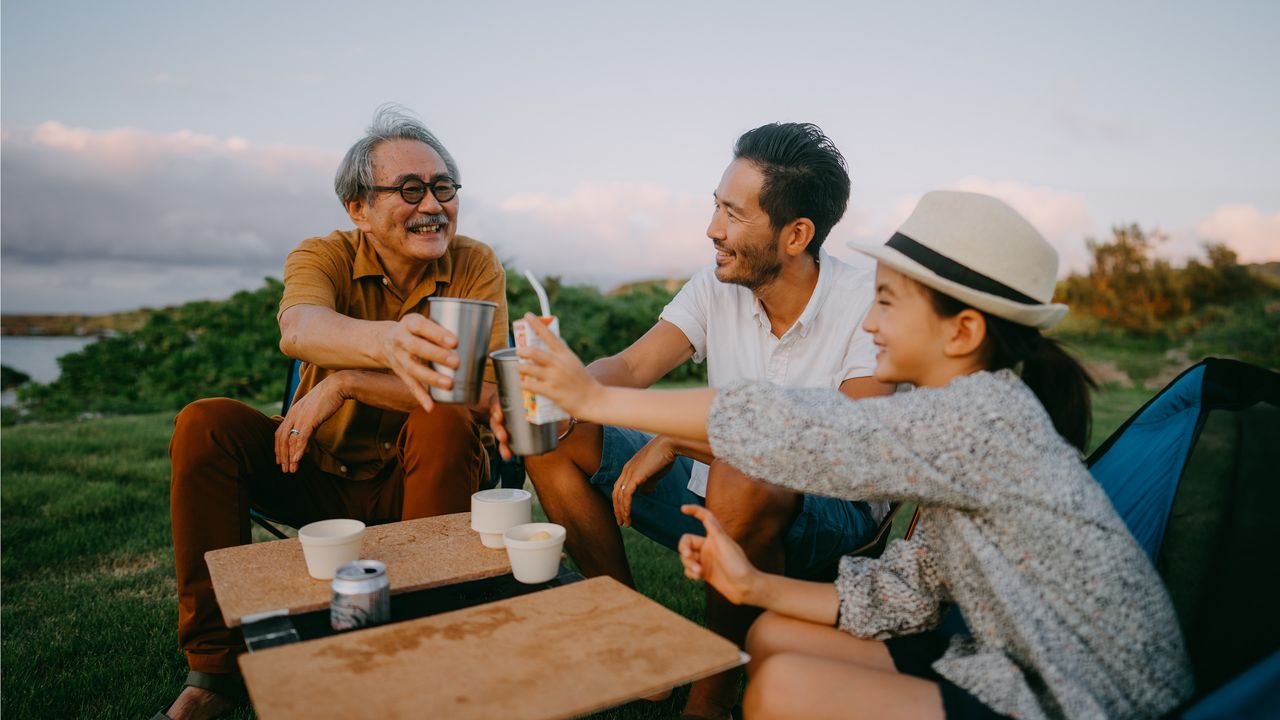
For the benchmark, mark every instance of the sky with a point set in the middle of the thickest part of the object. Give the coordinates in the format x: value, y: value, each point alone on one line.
x: 157, y: 152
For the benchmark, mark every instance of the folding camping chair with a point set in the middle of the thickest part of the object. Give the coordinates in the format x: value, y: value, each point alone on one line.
x: 507, y: 473
x: 1194, y: 475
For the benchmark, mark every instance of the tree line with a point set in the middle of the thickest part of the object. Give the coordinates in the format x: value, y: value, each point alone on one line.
x: 230, y: 348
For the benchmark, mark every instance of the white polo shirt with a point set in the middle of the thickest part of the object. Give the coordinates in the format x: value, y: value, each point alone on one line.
x: 728, y: 327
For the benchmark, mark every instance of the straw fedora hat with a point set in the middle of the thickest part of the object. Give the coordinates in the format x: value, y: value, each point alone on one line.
x: 979, y: 251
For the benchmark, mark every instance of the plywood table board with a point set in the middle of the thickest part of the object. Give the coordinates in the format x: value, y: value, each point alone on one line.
x: 419, y: 554
x: 556, y: 653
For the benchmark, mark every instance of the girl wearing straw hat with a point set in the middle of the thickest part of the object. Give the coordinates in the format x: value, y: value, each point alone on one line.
x: 1066, y: 615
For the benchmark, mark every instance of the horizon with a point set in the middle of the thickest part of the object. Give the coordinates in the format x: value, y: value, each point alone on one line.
x: 175, y: 153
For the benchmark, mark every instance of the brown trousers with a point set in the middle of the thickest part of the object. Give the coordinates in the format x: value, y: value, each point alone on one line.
x: 223, y: 455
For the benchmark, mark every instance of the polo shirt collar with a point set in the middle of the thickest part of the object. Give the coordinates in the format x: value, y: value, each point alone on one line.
x: 367, y: 264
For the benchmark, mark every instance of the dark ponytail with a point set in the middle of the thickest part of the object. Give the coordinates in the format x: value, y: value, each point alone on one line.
x: 1058, y: 380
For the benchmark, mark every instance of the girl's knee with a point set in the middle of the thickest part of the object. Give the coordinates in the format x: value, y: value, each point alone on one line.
x: 766, y: 637
x: 771, y: 688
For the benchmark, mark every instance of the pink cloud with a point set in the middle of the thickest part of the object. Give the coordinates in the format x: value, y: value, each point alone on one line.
x: 136, y: 152
x: 600, y: 233
x: 1253, y: 234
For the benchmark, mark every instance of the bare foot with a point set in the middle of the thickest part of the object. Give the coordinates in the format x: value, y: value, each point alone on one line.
x: 199, y: 704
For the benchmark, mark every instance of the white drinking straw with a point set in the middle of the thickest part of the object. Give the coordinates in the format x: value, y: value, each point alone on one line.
x: 542, y: 294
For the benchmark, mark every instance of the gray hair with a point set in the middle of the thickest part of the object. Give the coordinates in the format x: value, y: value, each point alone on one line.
x: 390, y: 122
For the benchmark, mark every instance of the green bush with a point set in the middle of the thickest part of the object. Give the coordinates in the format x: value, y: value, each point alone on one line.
x: 201, y: 349
x: 230, y: 348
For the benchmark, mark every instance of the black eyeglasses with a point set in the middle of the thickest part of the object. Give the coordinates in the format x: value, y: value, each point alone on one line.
x: 413, y: 189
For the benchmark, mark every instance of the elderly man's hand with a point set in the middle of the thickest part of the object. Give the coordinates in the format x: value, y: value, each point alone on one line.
x: 305, y: 415
x: 408, y: 348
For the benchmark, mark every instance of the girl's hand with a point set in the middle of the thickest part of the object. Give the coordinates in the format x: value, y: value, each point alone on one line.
x: 718, y: 560
x: 557, y: 373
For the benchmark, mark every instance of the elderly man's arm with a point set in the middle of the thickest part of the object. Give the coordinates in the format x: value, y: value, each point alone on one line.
x: 326, y: 338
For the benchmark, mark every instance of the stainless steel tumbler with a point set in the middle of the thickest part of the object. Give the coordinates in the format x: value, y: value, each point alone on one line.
x: 525, y: 437
x: 470, y: 321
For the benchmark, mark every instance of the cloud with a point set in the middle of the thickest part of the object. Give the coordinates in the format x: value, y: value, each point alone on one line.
x: 81, y: 199
x: 1253, y: 234
x: 97, y: 220
x: 1062, y: 217
x: 603, y: 234
x: 113, y: 219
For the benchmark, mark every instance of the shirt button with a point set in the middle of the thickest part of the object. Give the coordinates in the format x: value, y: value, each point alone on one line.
x: 343, y: 468
x: 386, y: 446
x: 385, y: 281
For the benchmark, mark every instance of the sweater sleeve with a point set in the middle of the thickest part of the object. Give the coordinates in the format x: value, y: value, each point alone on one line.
x: 936, y: 447
x: 898, y: 593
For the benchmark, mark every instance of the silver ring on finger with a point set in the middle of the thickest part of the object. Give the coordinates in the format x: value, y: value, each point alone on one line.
x: 623, y: 487
x: 295, y: 431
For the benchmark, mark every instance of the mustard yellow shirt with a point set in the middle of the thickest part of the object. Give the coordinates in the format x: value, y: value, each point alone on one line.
x: 341, y: 271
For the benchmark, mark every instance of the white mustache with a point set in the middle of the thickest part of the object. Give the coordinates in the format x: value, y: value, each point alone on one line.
x: 428, y: 220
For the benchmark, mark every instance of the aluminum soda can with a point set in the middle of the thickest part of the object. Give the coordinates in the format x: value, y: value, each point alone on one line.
x: 361, y: 595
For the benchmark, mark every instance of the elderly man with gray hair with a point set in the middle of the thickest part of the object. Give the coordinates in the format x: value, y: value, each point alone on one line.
x: 362, y: 438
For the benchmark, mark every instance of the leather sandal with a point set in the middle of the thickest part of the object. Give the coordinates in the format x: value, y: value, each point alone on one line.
x: 228, y: 685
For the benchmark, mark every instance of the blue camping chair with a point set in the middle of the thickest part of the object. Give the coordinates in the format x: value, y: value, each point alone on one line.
x: 1198, y: 461
x: 507, y: 473
x: 1194, y: 475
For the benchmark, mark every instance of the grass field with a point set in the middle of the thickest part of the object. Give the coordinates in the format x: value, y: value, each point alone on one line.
x: 88, y: 610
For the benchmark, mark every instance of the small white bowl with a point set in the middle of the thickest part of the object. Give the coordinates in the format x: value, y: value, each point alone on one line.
x: 534, y: 561
x: 494, y: 511
x: 329, y: 544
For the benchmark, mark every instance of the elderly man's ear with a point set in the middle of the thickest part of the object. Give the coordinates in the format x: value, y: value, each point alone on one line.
x: 358, y: 211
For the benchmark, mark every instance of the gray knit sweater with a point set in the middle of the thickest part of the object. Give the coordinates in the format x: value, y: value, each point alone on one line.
x: 1068, y: 617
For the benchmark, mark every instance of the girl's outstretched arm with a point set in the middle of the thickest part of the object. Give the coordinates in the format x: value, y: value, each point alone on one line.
x: 558, y: 374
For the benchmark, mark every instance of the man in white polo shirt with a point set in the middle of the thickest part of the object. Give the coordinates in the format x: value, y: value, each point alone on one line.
x: 775, y: 307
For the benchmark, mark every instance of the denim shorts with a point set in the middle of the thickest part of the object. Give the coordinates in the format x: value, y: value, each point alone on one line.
x: 825, y: 529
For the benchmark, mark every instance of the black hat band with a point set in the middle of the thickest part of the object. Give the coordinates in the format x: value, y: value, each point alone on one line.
x: 947, y: 268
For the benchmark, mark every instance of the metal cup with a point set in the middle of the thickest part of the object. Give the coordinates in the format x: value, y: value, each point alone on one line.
x: 525, y: 438
x: 470, y: 321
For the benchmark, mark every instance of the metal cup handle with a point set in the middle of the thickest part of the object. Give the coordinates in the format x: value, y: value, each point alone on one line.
x: 573, y: 423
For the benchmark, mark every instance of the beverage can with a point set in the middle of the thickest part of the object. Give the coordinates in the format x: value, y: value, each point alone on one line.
x: 361, y: 595
x: 538, y: 409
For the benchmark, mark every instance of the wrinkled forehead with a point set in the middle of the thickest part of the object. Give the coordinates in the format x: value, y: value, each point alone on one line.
x: 396, y: 159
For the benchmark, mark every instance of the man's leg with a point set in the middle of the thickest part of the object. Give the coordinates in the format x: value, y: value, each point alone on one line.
x: 780, y: 531
x: 223, y: 459
x: 562, y: 479
x: 443, y: 460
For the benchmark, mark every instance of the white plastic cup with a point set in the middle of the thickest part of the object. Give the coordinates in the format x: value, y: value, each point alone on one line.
x: 534, y: 561
x: 329, y: 544
x: 494, y: 511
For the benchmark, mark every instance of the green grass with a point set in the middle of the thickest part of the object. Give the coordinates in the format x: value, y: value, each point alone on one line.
x: 89, y: 612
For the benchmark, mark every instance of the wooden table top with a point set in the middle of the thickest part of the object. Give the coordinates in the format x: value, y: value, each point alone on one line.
x: 556, y: 653
x: 419, y: 554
